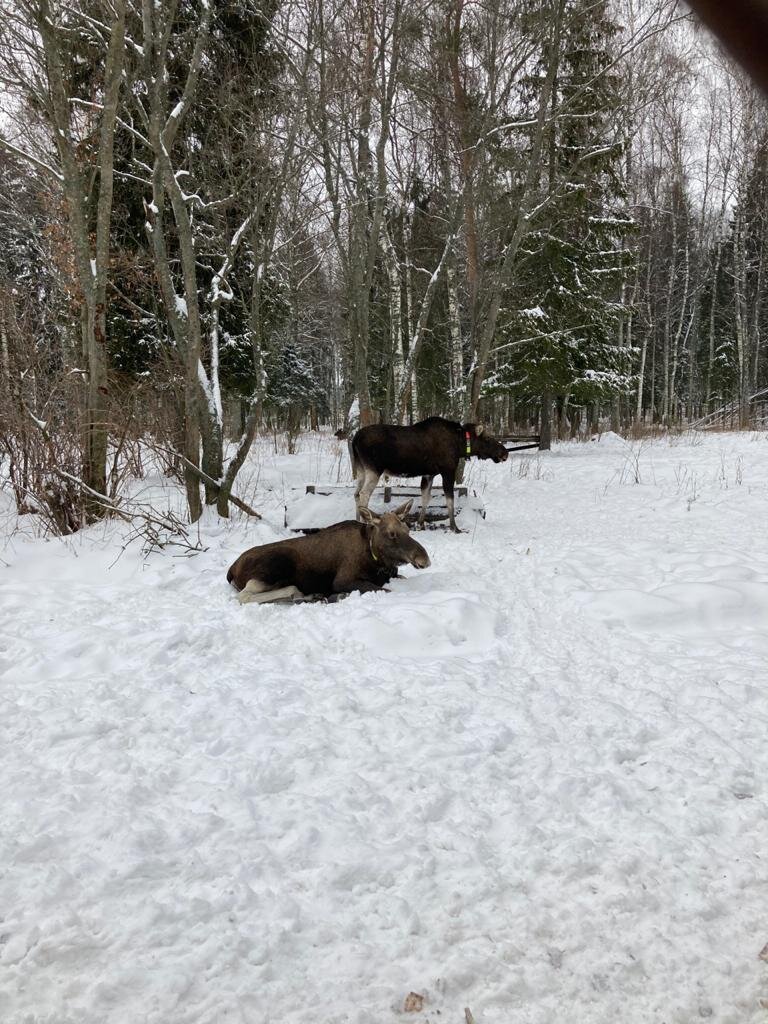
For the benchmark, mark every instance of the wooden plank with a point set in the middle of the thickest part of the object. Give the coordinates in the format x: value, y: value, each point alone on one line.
x: 389, y: 490
x: 301, y: 517
x: 522, y: 447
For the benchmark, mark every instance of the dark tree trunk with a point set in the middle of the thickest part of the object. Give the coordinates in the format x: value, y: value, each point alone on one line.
x: 546, y: 422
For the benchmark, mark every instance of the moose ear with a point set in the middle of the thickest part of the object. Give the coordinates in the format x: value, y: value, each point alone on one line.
x: 369, y: 517
x: 402, y: 511
x: 479, y: 428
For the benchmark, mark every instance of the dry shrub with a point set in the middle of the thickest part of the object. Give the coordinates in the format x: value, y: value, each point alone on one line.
x: 41, y: 435
x: 42, y: 427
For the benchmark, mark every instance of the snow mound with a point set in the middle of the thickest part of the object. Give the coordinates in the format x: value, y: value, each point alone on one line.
x: 685, y: 608
x: 611, y: 439
x: 428, y: 626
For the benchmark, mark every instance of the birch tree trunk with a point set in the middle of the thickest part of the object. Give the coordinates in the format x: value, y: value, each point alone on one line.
x: 354, y: 174
x: 395, y: 309
x: 202, y: 414
x: 409, y: 312
x: 456, y: 359
x: 679, y: 329
x: 757, y: 318
x: 712, y: 310
x: 5, y: 361
x: 691, y: 333
x: 646, y: 336
x: 91, y: 249
x: 668, y: 320
x: 739, y: 301
x: 360, y: 229
x: 456, y: 378
x: 414, y: 347
x: 467, y: 153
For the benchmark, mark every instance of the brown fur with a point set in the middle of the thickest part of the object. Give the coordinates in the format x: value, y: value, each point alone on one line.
x: 342, y: 558
x: 427, y: 449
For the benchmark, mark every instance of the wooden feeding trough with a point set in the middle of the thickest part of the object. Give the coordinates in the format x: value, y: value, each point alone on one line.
x: 512, y: 441
x: 319, y: 505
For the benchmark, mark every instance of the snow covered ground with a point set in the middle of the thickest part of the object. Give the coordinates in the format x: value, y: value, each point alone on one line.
x: 532, y: 780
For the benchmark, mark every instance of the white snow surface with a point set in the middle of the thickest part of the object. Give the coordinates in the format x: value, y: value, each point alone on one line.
x: 530, y: 780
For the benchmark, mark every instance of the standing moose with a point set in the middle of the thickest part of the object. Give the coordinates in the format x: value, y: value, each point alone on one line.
x: 434, y: 446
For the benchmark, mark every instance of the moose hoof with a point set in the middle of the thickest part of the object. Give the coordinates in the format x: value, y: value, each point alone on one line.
x: 455, y: 529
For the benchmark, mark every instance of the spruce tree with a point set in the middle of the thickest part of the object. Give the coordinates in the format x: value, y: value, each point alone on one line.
x: 564, y: 310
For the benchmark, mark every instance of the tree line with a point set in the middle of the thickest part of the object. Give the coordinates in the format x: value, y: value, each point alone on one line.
x: 219, y: 217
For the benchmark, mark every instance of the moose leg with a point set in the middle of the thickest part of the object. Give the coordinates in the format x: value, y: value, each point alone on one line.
x: 359, y: 478
x: 346, y: 585
x: 367, y: 489
x: 426, y: 494
x: 292, y: 595
x: 448, y: 479
x: 258, y: 592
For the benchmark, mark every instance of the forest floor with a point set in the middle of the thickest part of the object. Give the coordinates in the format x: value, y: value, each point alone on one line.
x: 532, y: 780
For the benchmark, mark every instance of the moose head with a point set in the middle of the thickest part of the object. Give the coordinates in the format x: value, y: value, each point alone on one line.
x: 482, y: 445
x: 390, y: 539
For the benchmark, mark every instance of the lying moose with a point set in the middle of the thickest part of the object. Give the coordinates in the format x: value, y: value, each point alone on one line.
x: 342, y: 558
x: 434, y: 446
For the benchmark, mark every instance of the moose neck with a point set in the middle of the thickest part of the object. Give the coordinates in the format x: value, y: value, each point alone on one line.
x: 378, y: 557
x: 374, y: 555
x: 382, y: 561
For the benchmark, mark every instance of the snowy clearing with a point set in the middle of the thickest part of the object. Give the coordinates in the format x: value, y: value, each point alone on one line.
x: 531, y: 780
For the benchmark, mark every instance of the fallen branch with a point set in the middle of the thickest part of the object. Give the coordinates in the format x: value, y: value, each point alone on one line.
x: 233, y: 500
x: 154, y: 523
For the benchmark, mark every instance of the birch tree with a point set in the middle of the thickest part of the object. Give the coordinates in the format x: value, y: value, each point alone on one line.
x: 241, y: 211
x: 36, y: 43
x: 351, y: 98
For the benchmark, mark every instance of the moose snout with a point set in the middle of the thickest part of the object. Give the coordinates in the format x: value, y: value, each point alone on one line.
x: 419, y: 557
